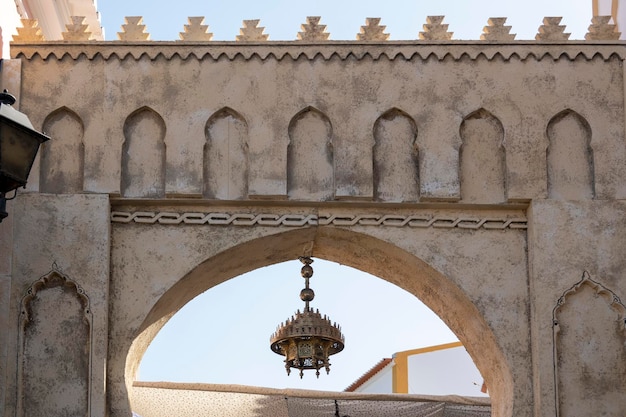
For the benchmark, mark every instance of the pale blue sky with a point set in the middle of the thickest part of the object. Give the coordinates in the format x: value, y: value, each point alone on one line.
x: 222, y: 336
x: 403, y: 18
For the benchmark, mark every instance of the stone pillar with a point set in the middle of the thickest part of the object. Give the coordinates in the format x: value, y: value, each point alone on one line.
x: 576, y: 255
x: 59, y: 280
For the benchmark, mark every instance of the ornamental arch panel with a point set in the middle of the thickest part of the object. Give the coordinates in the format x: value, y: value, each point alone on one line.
x: 593, y: 370
x: 358, y: 250
x: 310, y: 163
x: 54, y: 307
x: 225, y: 159
x: 570, y: 157
x: 482, y: 158
x: 396, y: 169
x: 143, y: 155
x: 63, y: 159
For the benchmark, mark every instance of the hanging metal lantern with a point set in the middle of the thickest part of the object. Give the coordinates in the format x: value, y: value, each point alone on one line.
x: 308, y: 338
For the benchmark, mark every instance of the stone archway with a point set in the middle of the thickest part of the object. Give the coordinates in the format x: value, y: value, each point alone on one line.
x: 357, y: 250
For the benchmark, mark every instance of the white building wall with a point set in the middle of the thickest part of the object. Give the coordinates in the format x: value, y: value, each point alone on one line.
x: 51, y: 15
x: 444, y: 372
x: 9, y: 20
x: 380, y: 383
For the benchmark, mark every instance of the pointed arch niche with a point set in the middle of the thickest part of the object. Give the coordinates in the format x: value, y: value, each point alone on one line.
x: 62, y: 159
x: 225, y: 160
x: 589, y: 323
x: 310, y: 166
x: 482, y: 159
x: 396, y: 170
x: 55, y: 348
x: 143, y: 155
x: 569, y: 157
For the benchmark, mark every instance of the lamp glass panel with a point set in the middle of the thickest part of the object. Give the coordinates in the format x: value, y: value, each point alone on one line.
x: 17, y: 152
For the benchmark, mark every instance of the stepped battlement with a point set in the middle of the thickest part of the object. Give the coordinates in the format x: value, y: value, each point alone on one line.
x: 313, y: 30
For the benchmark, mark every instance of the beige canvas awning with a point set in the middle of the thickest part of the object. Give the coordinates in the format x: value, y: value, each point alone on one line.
x: 165, y: 399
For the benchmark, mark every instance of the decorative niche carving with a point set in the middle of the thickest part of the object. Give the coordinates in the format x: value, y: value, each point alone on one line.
x: 310, y: 160
x: 143, y: 155
x: 55, y: 339
x: 570, y: 157
x: 396, y: 169
x: 482, y: 158
x: 589, y: 338
x: 63, y: 159
x: 225, y: 161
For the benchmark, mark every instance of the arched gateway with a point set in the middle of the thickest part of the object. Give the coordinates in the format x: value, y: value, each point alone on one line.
x: 363, y: 250
x: 463, y: 197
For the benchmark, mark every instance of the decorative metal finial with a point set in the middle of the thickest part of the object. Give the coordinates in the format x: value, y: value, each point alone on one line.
x: 307, y: 294
x: 6, y: 98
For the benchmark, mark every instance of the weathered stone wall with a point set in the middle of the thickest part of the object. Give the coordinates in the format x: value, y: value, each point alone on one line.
x: 484, y: 178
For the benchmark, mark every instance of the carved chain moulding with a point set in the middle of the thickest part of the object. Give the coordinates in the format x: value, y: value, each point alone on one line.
x: 299, y: 220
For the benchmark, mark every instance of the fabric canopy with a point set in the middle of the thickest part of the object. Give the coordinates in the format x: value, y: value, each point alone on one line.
x: 165, y: 399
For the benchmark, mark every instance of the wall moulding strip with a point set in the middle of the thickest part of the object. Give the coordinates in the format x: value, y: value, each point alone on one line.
x: 204, y: 205
x: 328, y: 50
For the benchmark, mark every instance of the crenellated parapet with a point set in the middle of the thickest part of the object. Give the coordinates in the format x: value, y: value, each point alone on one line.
x: 133, y: 30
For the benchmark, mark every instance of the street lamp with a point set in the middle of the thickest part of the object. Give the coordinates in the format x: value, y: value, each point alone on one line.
x: 19, y: 143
